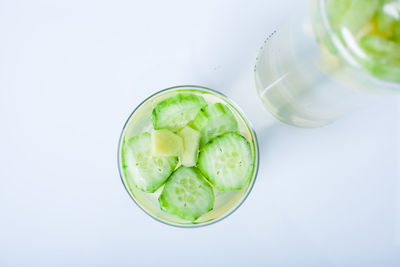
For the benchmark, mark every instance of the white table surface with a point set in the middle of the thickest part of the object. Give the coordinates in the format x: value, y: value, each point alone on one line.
x: 70, y: 74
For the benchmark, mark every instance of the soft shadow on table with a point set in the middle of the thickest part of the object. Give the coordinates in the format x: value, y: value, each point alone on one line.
x: 269, y: 129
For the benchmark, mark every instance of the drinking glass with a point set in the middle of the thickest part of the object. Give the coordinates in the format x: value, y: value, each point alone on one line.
x: 225, y: 202
x: 309, y: 73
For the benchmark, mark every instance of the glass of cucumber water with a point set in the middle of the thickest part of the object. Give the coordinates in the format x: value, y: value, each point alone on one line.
x: 344, y: 54
x: 187, y: 156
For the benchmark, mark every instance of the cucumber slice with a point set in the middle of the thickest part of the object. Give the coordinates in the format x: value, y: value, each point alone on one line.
x: 176, y: 111
x: 214, y: 120
x: 395, y: 36
x: 378, y: 46
x: 227, y: 162
x: 385, y: 20
x: 191, y: 141
x: 187, y: 194
x: 166, y: 143
x: 383, y: 57
x: 142, y: 170
x: 335, y: 10
x: 359, y: 13
x: 384, y: 68
x: 200, y: 121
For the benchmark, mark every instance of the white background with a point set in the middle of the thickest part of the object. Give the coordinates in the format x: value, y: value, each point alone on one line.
x: 70, y: 74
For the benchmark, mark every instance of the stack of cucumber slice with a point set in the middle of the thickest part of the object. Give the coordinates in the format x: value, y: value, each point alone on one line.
x: 194, y: 150
x: 371, y: 30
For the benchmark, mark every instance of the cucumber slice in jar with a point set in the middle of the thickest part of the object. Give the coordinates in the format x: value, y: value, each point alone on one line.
x: 384, y: 68
x: 142, y: 169
x: 177, y: 111
x: 187, y: 194
x: 384, y: 22
x: 227, y: 162
x: 359, y: 14
x: 166, y: 143
x: 387, y: 15
x: 214, y: 120
x: 191, y: 140
x: 395, y: 35
x: 379, y: 46
x: 335, y: 11
x: 383, y: 59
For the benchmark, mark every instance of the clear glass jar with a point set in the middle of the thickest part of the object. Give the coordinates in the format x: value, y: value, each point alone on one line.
x: 225, y: 202
x: 316, y: 68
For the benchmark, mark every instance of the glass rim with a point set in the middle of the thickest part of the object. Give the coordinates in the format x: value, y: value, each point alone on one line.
x: 249, y: 127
